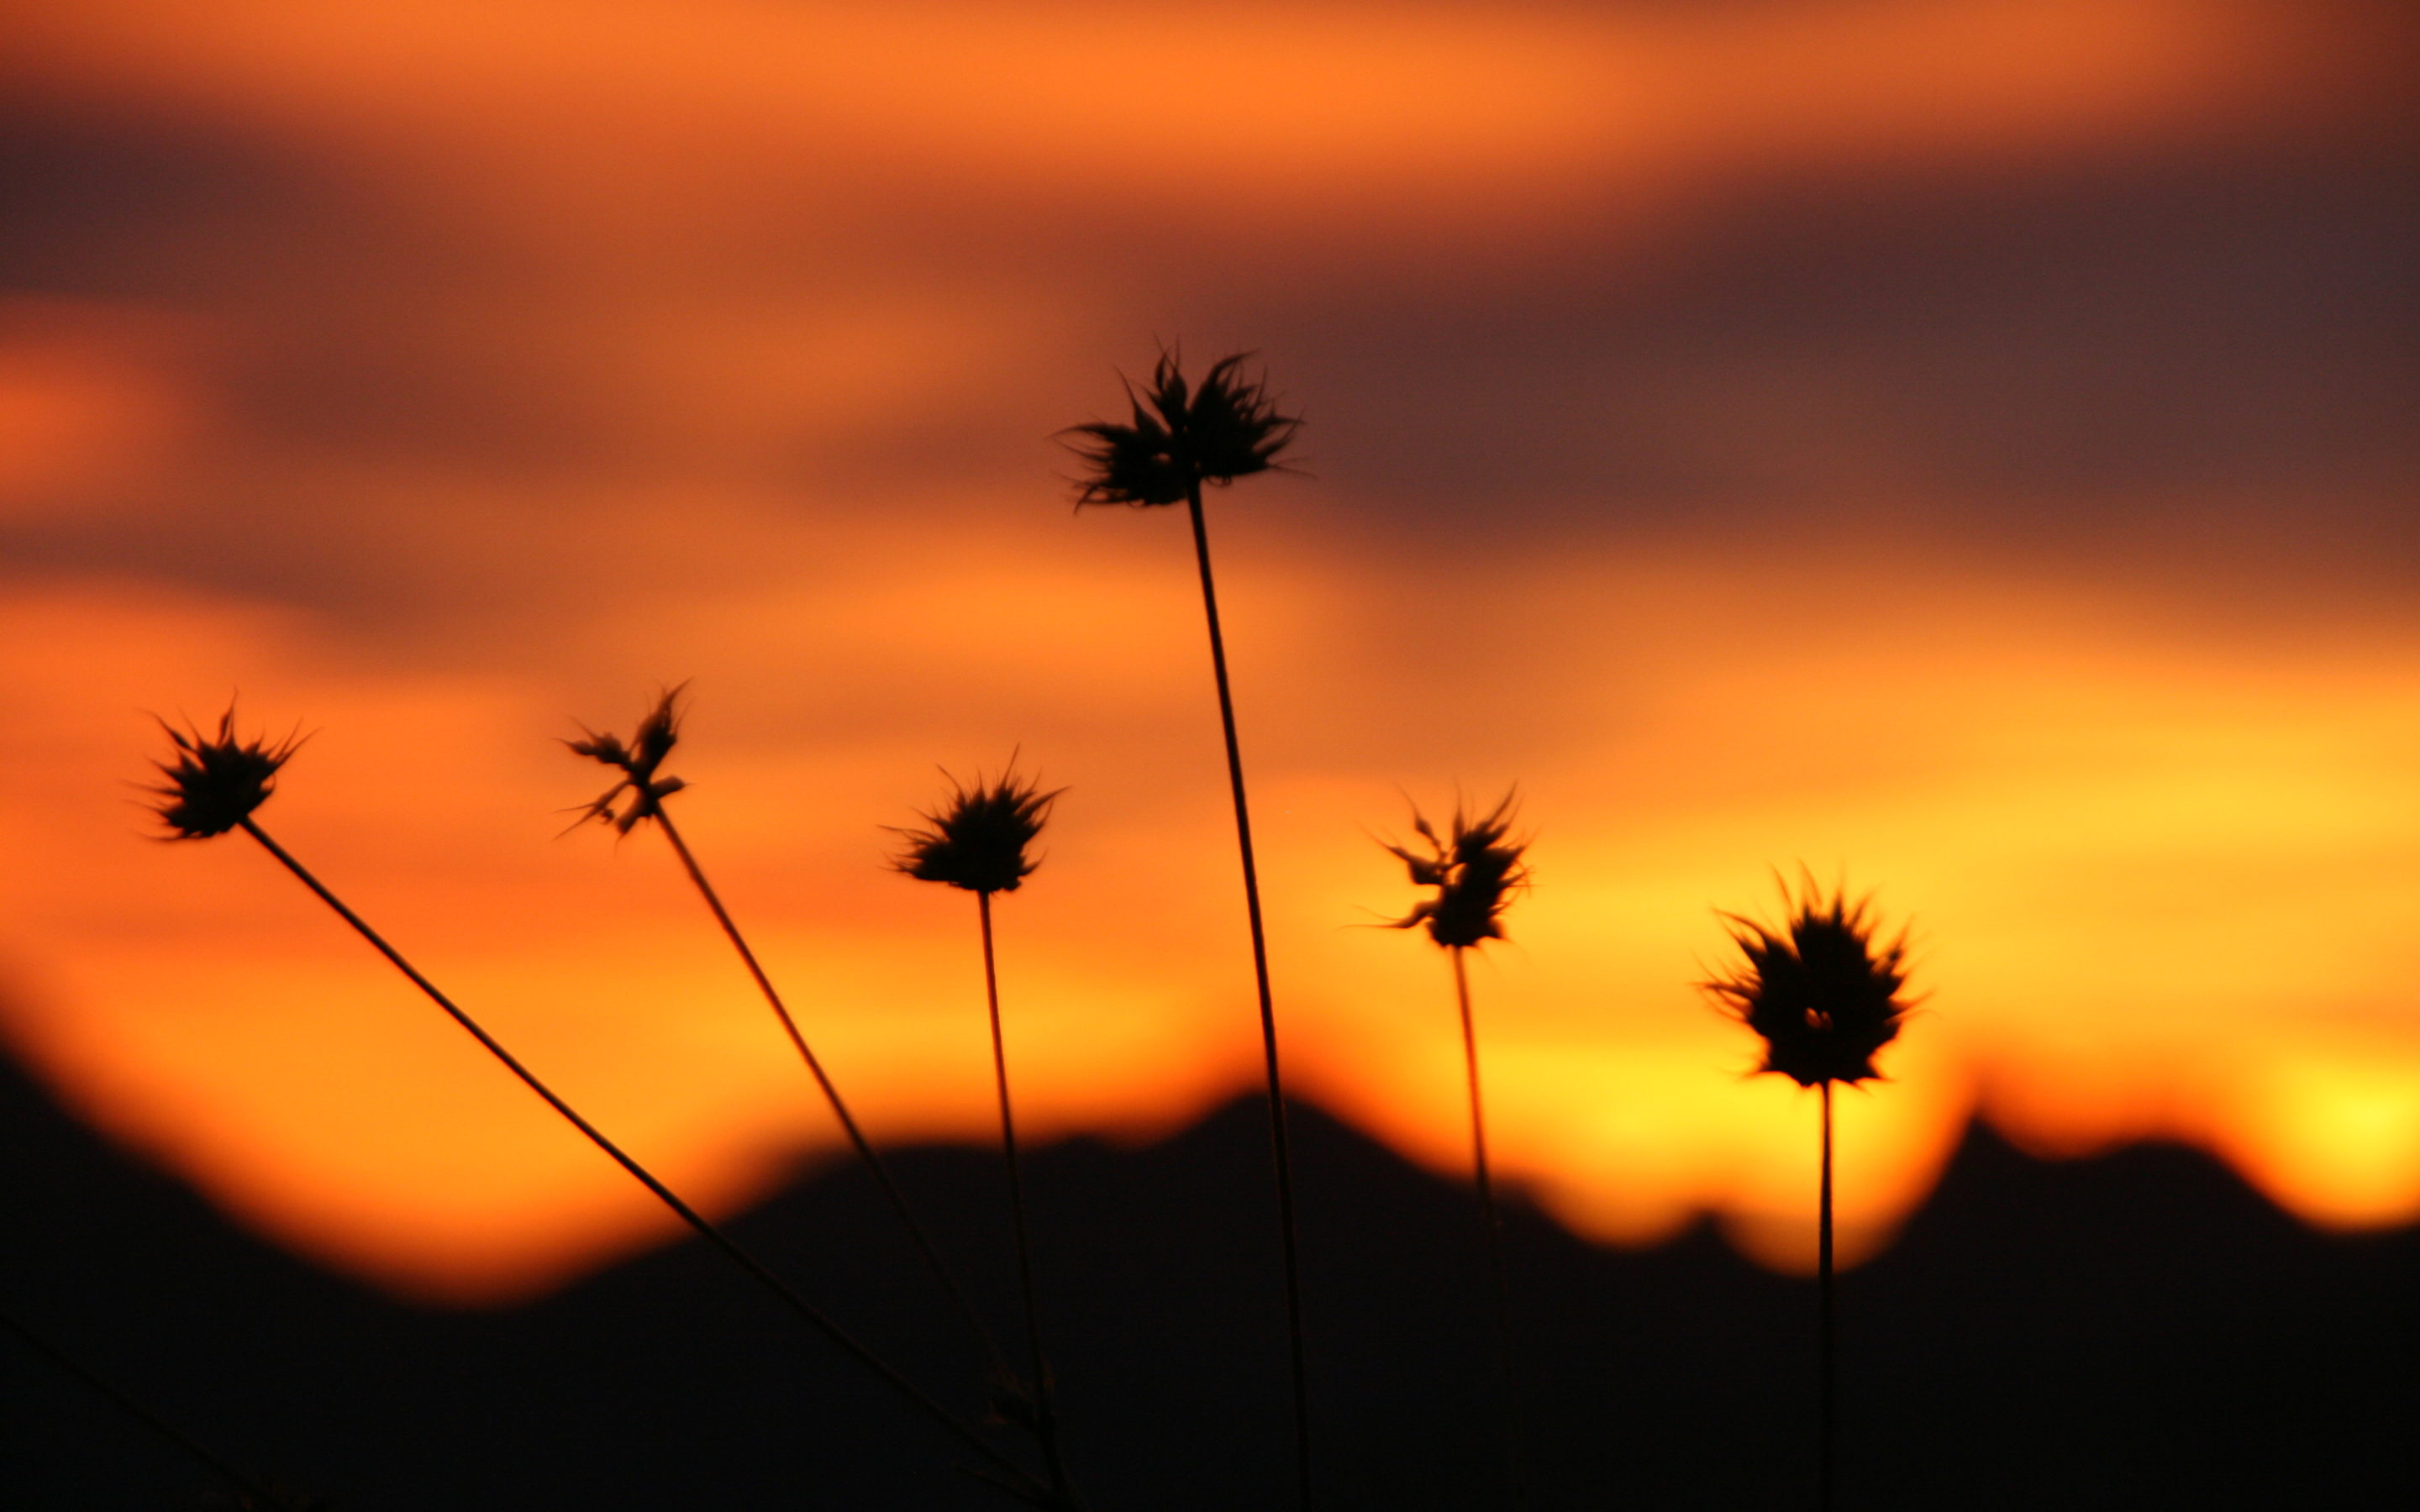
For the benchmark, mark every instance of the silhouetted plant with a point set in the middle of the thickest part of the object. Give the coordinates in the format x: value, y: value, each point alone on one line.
x: 251, y: 1491
x: 1181, y: 438
x: 1224, y: 429
x: 979, y: 842
x: 1824, y: 996
x: 214, y: 785
x: 637, y: 800
x: 1475, y: 875
x: 215, y: 781
x: 1475, y: 872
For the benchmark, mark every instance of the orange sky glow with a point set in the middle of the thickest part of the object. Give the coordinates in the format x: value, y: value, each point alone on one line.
x: 576, y: 349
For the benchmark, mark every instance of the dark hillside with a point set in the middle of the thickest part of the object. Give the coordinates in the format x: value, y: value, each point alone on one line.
x: 2139, y: 1331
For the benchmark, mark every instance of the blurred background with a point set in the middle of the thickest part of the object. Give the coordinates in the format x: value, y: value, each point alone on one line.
x: 1964, y: 449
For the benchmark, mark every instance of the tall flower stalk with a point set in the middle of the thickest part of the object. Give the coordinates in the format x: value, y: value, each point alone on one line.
x: 978, y: 843
x: 1475, y: 869
x: 1824, y: 996
x: 1181, y: 438
x: 215, y: 783
x: 247, y: 1486
x: 638, y: 798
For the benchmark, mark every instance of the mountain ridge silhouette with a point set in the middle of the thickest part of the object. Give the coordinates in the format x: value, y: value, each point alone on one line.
x: 2136, y: 1329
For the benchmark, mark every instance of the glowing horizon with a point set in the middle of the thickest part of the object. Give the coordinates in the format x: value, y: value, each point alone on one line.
x: 1958, y: 449
x: 339, y: 1112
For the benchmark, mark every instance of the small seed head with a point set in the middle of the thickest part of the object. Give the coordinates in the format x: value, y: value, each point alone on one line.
x: 977, y: 841
x: 1183, y: 436
x: 215, y: 781
x: 640, y: 794
x: 1821, y: 992
x: 1474, y: 874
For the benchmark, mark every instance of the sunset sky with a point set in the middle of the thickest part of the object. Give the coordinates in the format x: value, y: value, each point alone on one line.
x: 1965, y: 449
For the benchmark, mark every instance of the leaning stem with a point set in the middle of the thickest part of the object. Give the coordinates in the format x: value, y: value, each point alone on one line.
x: 1045, y: 1409
x: 1279, y: 1147
x: 1826, y: 1363
x: 194, y: 1448
x: 831, y: 1093
x: 1492, y: 1221
x: 696, y: 1221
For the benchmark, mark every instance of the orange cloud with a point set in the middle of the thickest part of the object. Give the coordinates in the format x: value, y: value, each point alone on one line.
x: 518, y: 354
x: 2158, y: 890
x: 1339, y: 106
x: 90, y: 401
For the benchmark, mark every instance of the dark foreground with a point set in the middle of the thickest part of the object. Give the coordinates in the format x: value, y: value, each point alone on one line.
x: 2135, y: 1332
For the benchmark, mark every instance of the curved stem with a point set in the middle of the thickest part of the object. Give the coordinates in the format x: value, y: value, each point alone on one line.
x: 1826, y: 1363
x: 193, y: 1447
x: 832, y: 1094
x: 1281, y: 1149
x: 1045, y: 1409
x: 1494, y: 1225
x: 696, y: 1221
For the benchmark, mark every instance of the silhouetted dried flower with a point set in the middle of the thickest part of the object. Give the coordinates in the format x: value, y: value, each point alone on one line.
x: 216, y: 781
x: 1180, y: 439
x: 978, y: 839
x: 1821, y: 992
x: 637, y: 762
x: 978, y: 843
x: 1474, y: 874
x: 639, y: 798
x: 1224, y: 429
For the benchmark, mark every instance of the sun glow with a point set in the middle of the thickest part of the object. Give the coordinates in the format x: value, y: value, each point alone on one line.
x: 434, y: 375
x: 2147, y: 942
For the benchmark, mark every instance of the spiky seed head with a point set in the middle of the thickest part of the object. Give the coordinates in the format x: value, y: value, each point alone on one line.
x: 1820, y: 990
x: 1475, y: 872
x: 640, y: 794
x: 977, y: 839
x: 1183, y: 436
x: 215, y: 781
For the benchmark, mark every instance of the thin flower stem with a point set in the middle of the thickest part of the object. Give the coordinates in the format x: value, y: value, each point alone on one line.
x: 1281, y: 1149
x: 1045, y: 1409
x: 730, y: 1249
x: 1827, y: 1362
x: 1493, y: 1222
x: 832, y: 1094
x: 194, y: 1448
